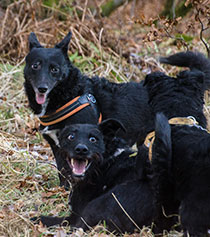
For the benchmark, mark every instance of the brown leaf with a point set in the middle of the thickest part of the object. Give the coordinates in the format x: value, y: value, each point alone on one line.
x: 187, y: 3
x: 48, y: 194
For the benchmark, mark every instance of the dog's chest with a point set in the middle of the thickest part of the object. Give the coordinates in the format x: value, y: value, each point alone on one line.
x: 43, y: 109
x: 52, y: 133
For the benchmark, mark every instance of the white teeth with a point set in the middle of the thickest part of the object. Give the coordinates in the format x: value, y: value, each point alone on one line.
x: 72, y: 162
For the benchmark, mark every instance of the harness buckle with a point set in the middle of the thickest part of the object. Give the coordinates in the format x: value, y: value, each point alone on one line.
x: 193, y: 119
x: 91, y: 98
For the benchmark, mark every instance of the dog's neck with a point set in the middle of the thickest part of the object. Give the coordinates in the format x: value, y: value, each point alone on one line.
x: 43, y: 108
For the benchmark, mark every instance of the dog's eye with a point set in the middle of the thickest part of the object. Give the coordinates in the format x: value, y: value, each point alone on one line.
x: 54, y: 69
x: 36, y: 66
x: 92, y: 139
x: 71, y: 137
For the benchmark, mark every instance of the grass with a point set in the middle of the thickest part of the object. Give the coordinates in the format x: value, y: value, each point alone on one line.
x: 28, y: 176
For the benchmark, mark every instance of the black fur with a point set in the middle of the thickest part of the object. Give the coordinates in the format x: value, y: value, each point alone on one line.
x: 51, y: 81
x: 112, y: 172
x: 182, y: 96
x: 180, y: 153
x: 184, y: 175
x: 196, y: 61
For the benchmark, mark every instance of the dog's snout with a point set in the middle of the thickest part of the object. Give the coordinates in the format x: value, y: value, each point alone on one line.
x: 81, y: 149
x: 42, y: 89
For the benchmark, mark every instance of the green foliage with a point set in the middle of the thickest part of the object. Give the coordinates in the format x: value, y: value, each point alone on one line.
x: 62, y: 8
x: 51, y: 3
x: 38, y: 138
x: 109, y: 6
x: 186, y: 38
x: 171, y: 10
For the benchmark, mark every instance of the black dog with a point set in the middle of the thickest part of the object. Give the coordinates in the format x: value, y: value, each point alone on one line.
x: 100, y: 169
x: 180, y: 153
x: 181, y: 159
x: 51, y: 81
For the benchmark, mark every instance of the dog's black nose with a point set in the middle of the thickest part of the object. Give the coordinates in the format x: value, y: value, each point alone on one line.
x: 81, y: 149
x: 42, y: 89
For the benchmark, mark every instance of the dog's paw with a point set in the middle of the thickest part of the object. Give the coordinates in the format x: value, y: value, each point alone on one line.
x: 47, y: 220
x: 35, y: 220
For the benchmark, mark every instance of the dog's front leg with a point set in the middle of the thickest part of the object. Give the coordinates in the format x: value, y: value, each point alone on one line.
x: 54, y: 220
x: 48, y: 220
x: 60, y: 161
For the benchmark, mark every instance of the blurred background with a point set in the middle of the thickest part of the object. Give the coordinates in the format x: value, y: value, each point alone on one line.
x: 119, y: 27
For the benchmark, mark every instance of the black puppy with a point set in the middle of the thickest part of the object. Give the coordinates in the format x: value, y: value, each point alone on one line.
x: 180, y: 153
x: 102, y: 173
x: 53, y: 84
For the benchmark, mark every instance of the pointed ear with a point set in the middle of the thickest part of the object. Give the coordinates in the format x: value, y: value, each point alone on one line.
x: 33, y: 41
x: 110, y: 127
x: 64, y: 43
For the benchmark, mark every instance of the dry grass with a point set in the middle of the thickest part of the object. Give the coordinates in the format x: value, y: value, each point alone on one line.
x: 28, y: 176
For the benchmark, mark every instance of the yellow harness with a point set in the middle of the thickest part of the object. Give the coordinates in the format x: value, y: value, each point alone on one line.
x: 148, y: 142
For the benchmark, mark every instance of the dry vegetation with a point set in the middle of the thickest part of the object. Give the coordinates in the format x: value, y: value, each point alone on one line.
x: 122, y: 47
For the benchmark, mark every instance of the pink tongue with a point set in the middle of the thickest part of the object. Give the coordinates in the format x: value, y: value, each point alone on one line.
x: 40, y: 98
x: 78, y: 167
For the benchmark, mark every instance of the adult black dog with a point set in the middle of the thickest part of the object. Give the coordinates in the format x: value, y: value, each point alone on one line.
x: 103, y: 173
x: 53, y: 84
x: 180, y: 153
x: 181, y: 159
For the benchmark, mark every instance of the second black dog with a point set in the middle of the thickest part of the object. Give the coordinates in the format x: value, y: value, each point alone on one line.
x: 102, y: 174
x: 180, y: 153
x: 181, y: 159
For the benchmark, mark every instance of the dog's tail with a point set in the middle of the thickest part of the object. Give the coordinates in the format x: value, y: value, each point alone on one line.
x: 161, y: 157
x: 163, y: 185
x: 162, y: 145
x: 193, y: 60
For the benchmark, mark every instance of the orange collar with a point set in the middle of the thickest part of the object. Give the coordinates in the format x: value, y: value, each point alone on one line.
x: 149, y: 140
x: 69, y: 109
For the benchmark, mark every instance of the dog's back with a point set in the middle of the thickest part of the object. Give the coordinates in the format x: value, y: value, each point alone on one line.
x: 193, y: 60
x: 183, y: 95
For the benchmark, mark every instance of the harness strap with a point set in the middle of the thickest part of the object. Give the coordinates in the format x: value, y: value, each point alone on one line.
x: 69, y: 109
x: 149, y: 140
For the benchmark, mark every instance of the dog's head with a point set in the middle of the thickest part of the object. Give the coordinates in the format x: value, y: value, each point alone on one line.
x: 84, y: 145
x: 46, y: 67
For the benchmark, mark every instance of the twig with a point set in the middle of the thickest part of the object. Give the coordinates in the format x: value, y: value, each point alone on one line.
x: 84, y: 11
x: 175, y: 38
x: 126, y: 212
x: 201, y: 32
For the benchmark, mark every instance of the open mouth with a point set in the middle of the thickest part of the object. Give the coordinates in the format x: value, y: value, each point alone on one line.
x: 40, y: 98
x: 78, y: 166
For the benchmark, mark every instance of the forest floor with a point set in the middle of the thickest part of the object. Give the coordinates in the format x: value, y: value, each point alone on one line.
x: 122, y: 47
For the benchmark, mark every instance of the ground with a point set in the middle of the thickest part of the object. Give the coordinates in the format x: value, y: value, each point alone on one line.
x: 122, y: 47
